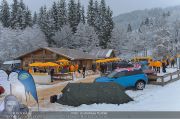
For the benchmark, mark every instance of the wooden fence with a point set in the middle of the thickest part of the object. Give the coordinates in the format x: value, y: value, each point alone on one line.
x: 162, y: 78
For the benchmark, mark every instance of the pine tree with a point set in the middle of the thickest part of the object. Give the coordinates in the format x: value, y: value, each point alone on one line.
x: 5, y: 14
x: 46, y: 24
x: 14, y: 15
x: 62, y: 14
x: 109, y: 24
x: 146, y: 21
x: 72, y: 17
x: 97, y: 24
x: 106, y: 25
x: 41, y: 16
x: 28, y: 18
x: 78, y: 12
x: 20, y: 19
x: 129, y: 29
x: 90, y: 13
x: 83, y: 20
x: 21, y: 15
x: 35, y: 18
x: 103, y: 9
x: 103, y: 40
x: 22, y: 5
x: 55, y: 15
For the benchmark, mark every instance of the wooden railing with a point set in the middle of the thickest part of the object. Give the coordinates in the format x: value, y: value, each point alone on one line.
x: 163, y: 82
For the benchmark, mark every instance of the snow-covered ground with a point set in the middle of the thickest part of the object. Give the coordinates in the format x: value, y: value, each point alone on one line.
x: 168, y: 70
x: 38, y: 86
x: 152, y: 98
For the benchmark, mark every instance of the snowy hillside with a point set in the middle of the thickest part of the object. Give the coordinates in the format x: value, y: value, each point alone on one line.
x: 135, y: 18
x: 143, y: 30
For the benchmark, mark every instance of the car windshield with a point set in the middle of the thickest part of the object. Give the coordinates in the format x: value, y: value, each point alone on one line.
x: 111, y: 75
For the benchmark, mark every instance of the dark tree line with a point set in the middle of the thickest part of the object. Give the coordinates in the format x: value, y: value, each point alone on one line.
x: 15, y: 16
x: 99, y: 16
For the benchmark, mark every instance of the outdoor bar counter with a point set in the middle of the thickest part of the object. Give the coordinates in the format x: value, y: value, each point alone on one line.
x: 41, y: 78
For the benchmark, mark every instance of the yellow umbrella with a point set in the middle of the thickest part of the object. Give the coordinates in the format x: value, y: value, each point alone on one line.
x: 37, y: 64
x: 63, y: 61
x: 51, y: 64
x: 108, y: 60
x: 99, y: 61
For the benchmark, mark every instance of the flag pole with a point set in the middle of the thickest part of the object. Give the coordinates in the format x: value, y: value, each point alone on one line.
x: 10, y: 89
x: 9, y: 84
x: 26, y: 97
x: 38, y: 105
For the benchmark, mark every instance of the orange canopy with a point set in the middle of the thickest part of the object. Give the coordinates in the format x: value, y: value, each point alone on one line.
x: 63, y: 61
x: 108, y: 60
x: 50, y: 64
x: 37, y: 64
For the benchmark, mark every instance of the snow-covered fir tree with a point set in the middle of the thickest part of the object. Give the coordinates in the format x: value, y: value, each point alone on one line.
x: 78, y: 12
x: 35, y: 18
x: 14, y: 14
x: 85, y: 38
x: 63, y: 37
x: 83, y: 19
x: 20, y: 18
x: 72, y: 15
x: 106, y: 25
x: 5, y: 13
x: 46, y: 24
x: 129, y: 29
x: 62, y: 13
x: 91, y: 13
x: 28, y: 18
x: 54, y: 11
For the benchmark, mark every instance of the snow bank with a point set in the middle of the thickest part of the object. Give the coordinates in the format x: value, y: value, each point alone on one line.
x: 152, y: 98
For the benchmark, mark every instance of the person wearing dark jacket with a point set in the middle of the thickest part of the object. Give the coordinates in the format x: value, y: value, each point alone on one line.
x: 84, y: 72
x: 167, y: 62
x: 164, y: 67
x: 52, y: 73
x: 172, y: 62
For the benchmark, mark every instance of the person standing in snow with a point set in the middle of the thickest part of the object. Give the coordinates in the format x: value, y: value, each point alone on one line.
x: 172, y: 62
x: 52, y: 73
x: 84, y: 72
x: 158, y: 65
x: 167, y: 62
x: 164, y: 67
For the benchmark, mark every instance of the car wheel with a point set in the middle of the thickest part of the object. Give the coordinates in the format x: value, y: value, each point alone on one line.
x: 140, y: 85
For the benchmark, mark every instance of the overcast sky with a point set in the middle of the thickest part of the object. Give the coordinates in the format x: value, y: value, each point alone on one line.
x: 118, y: 6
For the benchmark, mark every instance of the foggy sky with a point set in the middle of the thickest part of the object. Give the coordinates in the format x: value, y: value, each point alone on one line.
x: 118, y: 6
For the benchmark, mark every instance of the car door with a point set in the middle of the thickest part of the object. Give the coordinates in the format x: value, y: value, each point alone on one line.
x: 120, y: 78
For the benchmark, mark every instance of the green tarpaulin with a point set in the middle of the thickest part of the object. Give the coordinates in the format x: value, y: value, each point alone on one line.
x: 75, y: 94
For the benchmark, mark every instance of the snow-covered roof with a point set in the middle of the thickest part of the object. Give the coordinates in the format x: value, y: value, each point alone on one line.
x: 101, y: 53
x: 71, y: 54
x: 12, y: 62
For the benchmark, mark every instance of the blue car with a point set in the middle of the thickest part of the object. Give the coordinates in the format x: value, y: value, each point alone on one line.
x: 135, y: 78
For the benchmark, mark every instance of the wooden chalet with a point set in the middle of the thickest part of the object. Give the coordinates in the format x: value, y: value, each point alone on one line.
x: 48, y: 54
